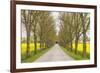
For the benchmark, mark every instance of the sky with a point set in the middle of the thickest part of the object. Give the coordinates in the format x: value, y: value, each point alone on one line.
x: 56, y: 18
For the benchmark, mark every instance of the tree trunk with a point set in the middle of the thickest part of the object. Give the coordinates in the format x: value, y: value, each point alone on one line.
x: 71, y: 46
x: 45, y: 41
x: 48, y: 43
x: 84, y: 44
x: 45, y: 44
x: 64, y: 44
x: 28, y: 43
x: 41, y: 43
x: 76, y: 44
x: 84, y: 38
x: 35, y: 43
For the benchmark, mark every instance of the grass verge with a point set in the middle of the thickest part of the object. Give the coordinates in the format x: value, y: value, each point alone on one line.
x: 76, y: 56
x: 33, y: 57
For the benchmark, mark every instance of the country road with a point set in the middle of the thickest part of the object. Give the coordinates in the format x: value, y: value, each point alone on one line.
x: 54, y: 54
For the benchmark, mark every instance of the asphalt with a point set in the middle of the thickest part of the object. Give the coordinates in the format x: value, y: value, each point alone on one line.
x: 54, y: 54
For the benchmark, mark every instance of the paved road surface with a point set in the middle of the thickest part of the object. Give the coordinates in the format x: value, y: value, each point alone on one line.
x: 54, y: 54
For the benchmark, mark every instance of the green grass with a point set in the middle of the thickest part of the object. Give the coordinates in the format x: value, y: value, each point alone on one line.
x: 78, y: 56
x: 33, y: 57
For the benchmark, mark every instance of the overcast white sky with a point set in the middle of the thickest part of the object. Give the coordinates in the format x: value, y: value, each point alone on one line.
x: 56, y: 18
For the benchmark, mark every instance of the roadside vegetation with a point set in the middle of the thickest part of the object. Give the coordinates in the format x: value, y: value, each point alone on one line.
x: 39, y: 29
x: 78, y: 56
x: 42, y: 29
x: 32, y: 56
x: 74, y: 34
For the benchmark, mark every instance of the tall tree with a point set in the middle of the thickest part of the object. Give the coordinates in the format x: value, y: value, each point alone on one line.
x: 45, y: 24
x: 26, y: 20
x: 78, y: 29
x: 35, y: 15
x: 66, y: 30
x: 85, y: 24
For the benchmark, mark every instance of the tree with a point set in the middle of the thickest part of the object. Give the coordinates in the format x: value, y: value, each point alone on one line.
x: 35, y: 15
x: 26, y: 20
x: 78, y: 29
x: 66, y: 29
x: 73, y: 25
x: 50, y: 32
x: 85, y: 24
x: 45, y: 24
